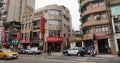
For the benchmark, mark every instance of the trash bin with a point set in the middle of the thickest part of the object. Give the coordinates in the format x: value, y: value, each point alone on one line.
x: 118, y: 53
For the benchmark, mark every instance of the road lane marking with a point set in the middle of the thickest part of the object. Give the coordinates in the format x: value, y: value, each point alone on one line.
x: 88, y: 62
x: 60, y: 60
x: 53, y: 60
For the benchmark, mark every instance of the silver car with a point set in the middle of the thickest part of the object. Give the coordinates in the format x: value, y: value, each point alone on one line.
x: 33, y: 50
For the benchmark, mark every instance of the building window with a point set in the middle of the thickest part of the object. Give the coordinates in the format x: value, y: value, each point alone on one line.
x: 86, y: 7
x: 54, y: 32
x: 102, y: 28
x: 87, y: 30
x: 36, y: 34
x: 24, y: 18
x: 30, y: 18
x: 100, y: 15
x: 24, y: 26
x: 86, y: 19
x: 28, y: 26
x: 98, y: 3
x: 38, y: 14
x: 54, y: 12
x: 98, y: 29
x: 55, y: 22
x: 117, y: 27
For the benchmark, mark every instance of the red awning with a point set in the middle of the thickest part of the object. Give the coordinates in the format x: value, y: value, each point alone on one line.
x: 54, y: 39
x: 22, y: 41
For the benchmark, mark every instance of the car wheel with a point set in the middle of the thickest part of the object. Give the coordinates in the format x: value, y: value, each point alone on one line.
x: 65, y: 54
x: 26, y: 52
x: 4, y: 57
x: 33, y: 53
x: 78, y: 54
x: 16, y: 58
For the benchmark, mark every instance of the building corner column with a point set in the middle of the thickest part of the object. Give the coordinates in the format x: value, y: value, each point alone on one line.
x: 96, y: 46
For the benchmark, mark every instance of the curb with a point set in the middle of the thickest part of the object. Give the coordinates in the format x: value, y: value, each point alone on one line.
x: 106, y: 56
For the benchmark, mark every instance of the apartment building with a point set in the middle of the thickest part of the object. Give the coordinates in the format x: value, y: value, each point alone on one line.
x: 26, y: 22
x: 97, y: 30
x: 56, y: 28
x: 13, y: 11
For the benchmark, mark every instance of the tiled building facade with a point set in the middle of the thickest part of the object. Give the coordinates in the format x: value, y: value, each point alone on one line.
x: 97, y: 30
x: 57, y: 26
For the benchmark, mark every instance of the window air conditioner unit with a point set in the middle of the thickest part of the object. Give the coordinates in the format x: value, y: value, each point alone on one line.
x: 115, y: 16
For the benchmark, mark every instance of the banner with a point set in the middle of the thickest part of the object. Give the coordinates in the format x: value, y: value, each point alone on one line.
x: 42, y: 21
x: 18, y: 36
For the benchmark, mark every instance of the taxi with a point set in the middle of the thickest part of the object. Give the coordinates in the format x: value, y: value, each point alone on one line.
x: 8, y: 54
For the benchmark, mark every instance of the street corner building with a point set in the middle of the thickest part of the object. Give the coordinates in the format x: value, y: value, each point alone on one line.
x: 96, y: 25
x: 52, y: 24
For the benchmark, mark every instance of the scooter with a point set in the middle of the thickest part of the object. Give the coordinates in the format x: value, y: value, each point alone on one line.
x: 93, y: 53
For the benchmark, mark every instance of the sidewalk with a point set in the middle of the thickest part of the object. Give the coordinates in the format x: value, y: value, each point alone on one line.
x: 106, y: 56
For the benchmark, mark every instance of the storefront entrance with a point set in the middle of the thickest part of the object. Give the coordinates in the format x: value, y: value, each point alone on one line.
x: 25, y: 45
x: 56, y: 47
x: 88, y: 43
x: 103, y: 46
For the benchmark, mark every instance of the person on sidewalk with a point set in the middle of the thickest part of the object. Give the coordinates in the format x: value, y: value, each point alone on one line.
x: 49, y: 51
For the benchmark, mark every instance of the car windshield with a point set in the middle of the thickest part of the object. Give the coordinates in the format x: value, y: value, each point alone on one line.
x: 34, y: 48
x: 6, y: 50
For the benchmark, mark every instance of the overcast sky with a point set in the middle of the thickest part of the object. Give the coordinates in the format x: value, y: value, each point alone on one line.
x: 72, y: 5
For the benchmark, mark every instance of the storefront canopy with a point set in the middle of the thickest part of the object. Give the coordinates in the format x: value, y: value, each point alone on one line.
x: 74, y: 39
x: 25, y: 41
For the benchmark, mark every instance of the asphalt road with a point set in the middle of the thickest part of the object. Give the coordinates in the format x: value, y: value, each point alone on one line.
x: 60, y: 59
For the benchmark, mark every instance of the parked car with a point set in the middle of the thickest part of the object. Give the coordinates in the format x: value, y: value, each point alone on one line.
x: 33, y: 50
x: 8, y: 54
x: 21, y: 51
x: 79, y: 51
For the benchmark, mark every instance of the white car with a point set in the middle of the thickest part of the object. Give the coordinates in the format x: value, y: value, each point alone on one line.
x: 75, y: 51
x: 33, y: 50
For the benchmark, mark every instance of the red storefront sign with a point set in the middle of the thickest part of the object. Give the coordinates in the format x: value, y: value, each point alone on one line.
x: 22, y: 41
x: 25, y: 41
x: 18, y: 35
x: 54, y: 39
x: 14, y: 38
x: 42, y: 21
x: 5, y: 38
